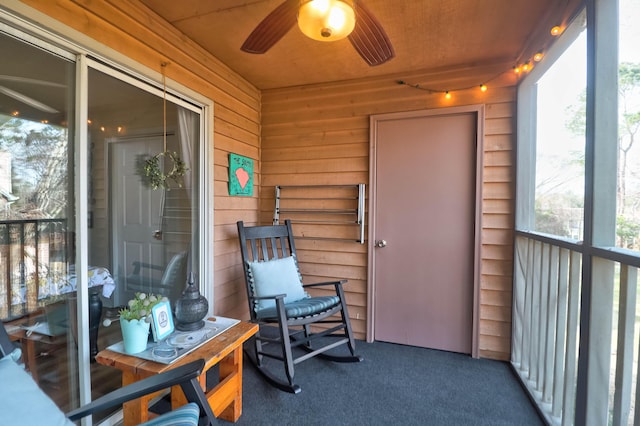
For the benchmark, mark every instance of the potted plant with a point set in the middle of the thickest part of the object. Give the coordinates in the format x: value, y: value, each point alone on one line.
x: 135, y: 321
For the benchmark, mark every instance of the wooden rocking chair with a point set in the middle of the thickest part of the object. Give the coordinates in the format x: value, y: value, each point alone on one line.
x: 278, y: 298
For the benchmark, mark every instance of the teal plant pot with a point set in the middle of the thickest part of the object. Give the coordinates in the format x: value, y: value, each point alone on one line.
x: 135, y: 334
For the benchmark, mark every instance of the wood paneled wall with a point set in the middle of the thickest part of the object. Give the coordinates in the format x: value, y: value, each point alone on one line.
x: 315, y: 135
x: 320, y: 135
x: 129, y: 28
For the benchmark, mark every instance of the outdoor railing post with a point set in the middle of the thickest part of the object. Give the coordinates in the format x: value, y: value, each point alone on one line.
x: 17, y: 238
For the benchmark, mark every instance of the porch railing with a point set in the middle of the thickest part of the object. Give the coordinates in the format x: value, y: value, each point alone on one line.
x: 31, y: 251
x: 546, y: 337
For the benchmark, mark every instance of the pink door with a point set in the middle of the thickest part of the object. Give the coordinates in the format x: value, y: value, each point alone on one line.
x: 425, y: 197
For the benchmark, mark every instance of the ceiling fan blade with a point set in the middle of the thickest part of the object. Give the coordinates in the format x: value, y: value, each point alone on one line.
x: 27, y: 100
x: 272, y: 28
x: 16, y: 79
x: 369, y: 39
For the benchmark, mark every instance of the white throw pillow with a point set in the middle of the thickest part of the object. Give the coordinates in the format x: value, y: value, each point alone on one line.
x: 22, y: 402
x: 273, y: 277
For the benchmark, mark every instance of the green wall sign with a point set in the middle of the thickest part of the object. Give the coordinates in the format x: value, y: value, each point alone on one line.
x: 240, y: 175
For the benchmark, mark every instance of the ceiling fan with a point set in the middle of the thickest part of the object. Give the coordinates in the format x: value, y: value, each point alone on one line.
x: 28, y: 100
x: 368, y: 36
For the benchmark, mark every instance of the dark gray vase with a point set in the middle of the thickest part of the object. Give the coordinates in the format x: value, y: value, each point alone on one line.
x: 191, y: 308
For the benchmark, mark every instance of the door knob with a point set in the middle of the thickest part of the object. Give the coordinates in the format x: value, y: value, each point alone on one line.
x: 380, y: 243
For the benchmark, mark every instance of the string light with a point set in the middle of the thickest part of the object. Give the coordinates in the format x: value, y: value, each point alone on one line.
x: 518, y: 69
x: 105, y: 129
x: 110, y: 130
x: 119, y: 129
x: 447, y: 93
x: 523, y: 68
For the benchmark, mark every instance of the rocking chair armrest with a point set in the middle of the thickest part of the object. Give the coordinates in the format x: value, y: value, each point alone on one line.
x: 274, y: 296
x: 177, y: 376
x: 338, y: 282
x: 137, y: 265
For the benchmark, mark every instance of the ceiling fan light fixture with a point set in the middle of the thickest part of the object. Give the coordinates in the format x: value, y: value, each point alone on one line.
x: 326, y: 20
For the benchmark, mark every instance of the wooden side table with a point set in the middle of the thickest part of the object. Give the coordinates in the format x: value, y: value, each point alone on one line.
x: 17, y: 332
x: 224, y: 350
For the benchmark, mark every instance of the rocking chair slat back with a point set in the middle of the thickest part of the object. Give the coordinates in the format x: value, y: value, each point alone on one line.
x: 261, y: 244
x: 267, y: 242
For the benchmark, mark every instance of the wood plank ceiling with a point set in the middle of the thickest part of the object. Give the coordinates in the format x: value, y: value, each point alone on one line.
x: 426, y: 35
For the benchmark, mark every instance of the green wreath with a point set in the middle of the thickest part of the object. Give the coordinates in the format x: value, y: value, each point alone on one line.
x: 156, y: 178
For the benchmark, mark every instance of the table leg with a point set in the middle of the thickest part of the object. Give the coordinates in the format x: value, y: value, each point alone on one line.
x: 229, y: 367
x: 95, y: 312
x: 135, y: 411
x: 29, y: 357
x: 225, y: 398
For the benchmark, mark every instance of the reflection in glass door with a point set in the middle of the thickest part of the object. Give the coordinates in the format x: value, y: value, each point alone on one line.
x: 41, y: 274
x: 145, y: 236
x: 37, y: 221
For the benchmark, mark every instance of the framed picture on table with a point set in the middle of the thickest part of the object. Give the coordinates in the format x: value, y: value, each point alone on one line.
x: 161, y: 321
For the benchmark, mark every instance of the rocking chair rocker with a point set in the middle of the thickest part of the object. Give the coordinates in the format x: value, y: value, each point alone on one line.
x: 277, y: 299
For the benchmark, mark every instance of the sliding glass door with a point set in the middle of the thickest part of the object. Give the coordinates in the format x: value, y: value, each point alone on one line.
x: 87, y: 223
x: 145, y: 232
x: 37, y: 212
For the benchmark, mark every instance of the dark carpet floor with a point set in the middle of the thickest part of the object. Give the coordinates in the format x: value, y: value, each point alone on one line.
x: 394, y: 385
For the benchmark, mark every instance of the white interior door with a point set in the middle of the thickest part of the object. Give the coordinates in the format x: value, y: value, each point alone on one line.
x: 425, y: 201
x: 136, y: 212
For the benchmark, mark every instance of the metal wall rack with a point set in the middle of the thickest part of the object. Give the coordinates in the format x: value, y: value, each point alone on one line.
x: 322, y: 205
